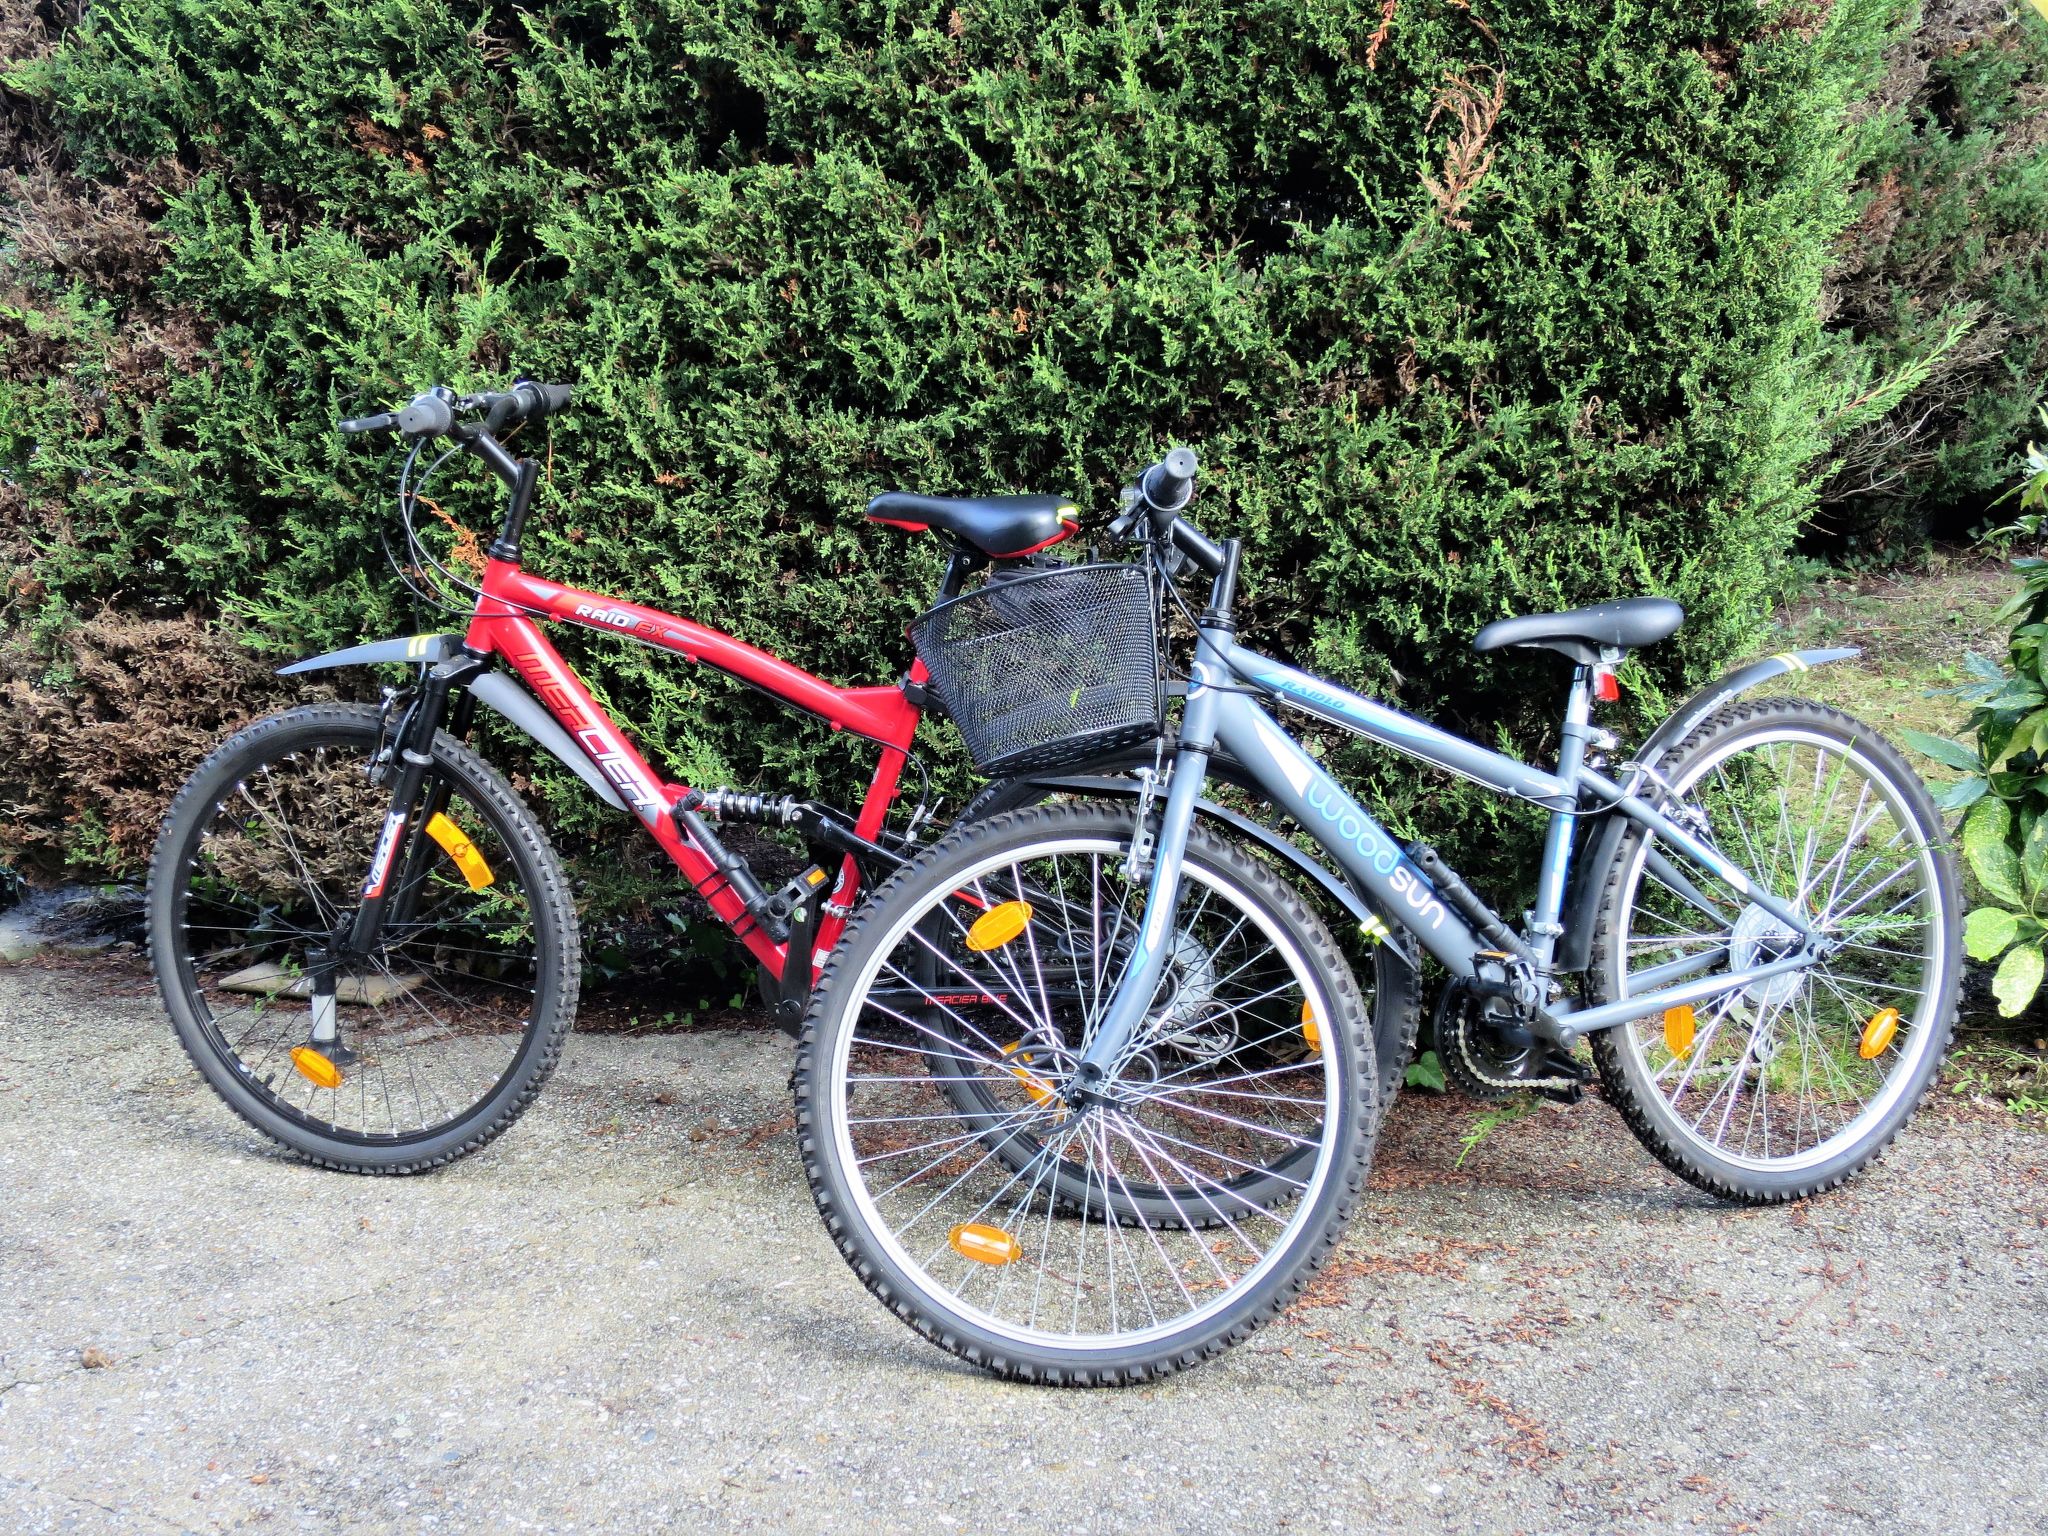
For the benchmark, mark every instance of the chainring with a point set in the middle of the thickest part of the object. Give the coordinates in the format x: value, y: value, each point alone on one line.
x: 1474, y: 1059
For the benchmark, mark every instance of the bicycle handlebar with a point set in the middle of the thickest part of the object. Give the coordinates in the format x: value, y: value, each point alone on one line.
x: 1156, y: 499
x: 526, y: 401
x: 429, y: 415
x: 432, y: 412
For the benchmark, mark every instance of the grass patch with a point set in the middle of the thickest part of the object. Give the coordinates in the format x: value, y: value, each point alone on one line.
x: 2009, y: 1071
x: 1913, y: 629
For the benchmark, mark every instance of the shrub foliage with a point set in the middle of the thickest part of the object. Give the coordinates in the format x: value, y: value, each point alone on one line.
x: 1942, y: 282
x: 1470, y: 310
x: 2004, y: 771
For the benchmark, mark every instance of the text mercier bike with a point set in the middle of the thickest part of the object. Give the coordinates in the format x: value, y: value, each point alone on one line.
x: 363, y: 936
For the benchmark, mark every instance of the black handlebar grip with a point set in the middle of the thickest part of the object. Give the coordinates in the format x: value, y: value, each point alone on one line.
x: 1169, y: 483
x: 510, y: 406
x: 383, y: 421
x: 528, y: 401
x: 427, y: 416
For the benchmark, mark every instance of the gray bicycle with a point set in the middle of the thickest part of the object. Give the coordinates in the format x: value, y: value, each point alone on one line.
x: 1088, y: 1091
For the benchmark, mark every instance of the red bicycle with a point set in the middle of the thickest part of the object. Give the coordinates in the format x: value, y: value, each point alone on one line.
x: 363, y: 936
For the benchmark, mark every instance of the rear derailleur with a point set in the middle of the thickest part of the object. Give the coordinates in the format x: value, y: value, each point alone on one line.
x: 1486, y: 1046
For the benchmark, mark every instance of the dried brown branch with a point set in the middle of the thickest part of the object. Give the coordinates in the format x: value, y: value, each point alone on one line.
x: 1474, y: 98
x: 467, y: 550
x: 1379, y: 36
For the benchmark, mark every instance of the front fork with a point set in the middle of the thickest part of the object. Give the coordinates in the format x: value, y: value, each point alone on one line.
x: 398, y: 868
x: 1108, y: 1045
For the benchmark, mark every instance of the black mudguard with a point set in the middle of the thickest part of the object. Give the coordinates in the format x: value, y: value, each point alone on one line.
x: 1603, y: 830
x: 495, y: 689
x: 406, y: 651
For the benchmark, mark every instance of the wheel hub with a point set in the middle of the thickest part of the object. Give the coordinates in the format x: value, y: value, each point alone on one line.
x: 1758, y: 938
x: 1187, y: 1024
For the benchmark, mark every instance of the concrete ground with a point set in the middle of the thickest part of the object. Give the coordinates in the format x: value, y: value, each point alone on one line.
x: 625, y: 1316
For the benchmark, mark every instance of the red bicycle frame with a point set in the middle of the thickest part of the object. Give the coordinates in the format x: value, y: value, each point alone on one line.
x: 503, y: 625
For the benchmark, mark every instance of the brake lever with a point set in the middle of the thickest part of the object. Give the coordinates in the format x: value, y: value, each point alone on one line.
x: 1130, y: 508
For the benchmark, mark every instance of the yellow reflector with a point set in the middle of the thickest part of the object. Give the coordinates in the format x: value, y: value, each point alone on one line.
x: 1678, y: 1029
x: 1309, y: 1032
x: 984, y: 1244
x: 459, y: 848
x: 315, y: 1068
x: 1878, y: 1033
x: 998, y: 925
x: 1040, y: 1091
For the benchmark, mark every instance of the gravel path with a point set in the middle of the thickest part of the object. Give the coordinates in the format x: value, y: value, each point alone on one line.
x: 625, y: 1316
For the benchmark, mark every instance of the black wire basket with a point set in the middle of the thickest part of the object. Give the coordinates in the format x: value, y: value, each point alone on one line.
x: 1041, y: 668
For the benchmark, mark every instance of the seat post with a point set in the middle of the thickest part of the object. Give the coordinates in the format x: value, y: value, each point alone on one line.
x: 1544, y: 927
x: 960, y: 564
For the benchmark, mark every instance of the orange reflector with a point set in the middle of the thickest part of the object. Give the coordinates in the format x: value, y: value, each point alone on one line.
x: 315, y: 1068
x: 984, y: 1244
x: 458, y: 847
x: 998, y: 925
x: 1878, y: 1033
x: 1040, y: 1091
x: 1678, y: 1029
x: 1309, y: 1032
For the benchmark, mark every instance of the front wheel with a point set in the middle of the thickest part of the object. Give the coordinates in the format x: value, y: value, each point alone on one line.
x: 1077, y: 1235
x: 1789, y: 1085
x: 398, y: 1060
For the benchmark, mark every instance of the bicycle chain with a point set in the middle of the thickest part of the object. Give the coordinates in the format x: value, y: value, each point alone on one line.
x: 1464, y: 1068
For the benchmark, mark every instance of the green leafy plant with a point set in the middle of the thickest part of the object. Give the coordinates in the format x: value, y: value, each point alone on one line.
x: 1425, y: 1072
x: 2004, y: 783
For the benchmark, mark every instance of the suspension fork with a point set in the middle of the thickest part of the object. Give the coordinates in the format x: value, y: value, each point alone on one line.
x: 420, y: 850
x: 1112, y: 1037
x: 390, y: 888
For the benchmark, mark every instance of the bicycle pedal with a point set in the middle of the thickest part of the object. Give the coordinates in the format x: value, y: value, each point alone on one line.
x: 791, y: 902
x: 1563, y: 1064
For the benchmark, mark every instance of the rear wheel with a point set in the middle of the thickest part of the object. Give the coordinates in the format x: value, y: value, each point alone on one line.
x: 433, y: 1044
x: 1790, y: 1085
x: 1051, y: 1233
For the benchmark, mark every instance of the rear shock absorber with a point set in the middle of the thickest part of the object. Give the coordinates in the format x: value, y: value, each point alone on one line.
x: 819, y: 825
x: 762, y: 810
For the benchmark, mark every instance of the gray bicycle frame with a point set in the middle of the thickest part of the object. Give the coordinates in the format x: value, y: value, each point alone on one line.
x: 1222, y: 710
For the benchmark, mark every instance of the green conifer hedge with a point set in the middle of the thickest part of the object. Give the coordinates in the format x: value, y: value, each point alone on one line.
x: 1469, y: 310
x: 1943, y: 274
